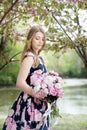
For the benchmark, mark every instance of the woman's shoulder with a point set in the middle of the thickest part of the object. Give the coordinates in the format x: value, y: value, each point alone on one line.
x: 28, y: 59
x: 29, y: 54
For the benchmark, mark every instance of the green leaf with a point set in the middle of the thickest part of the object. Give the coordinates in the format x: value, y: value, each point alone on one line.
x: 63, y: 21
x: 14, y: 43
x: 75, y: 20
x: 80, y: 5
x: 46, y: 22
x: 35, y: 19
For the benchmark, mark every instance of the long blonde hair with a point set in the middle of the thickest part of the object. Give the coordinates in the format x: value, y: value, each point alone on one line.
x: 31, y: 34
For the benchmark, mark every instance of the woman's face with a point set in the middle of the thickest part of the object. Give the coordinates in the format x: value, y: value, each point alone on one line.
x: 38, y: 41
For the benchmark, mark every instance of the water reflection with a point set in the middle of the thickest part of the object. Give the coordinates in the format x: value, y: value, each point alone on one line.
x: 74, y: 100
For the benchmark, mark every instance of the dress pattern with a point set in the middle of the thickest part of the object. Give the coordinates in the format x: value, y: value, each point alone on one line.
x: 26, y: 112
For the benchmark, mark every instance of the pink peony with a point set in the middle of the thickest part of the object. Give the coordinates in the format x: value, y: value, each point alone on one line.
x: 45, y: 84
x: 60, y: 93
x: 53, y: 92
x: 53, y: 73
x: 38, y: 72
x: 33, y: 78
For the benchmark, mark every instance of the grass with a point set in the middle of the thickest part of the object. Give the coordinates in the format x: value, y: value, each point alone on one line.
x: 72, y: 122
x: 67, y: 122
x: 1, y: 123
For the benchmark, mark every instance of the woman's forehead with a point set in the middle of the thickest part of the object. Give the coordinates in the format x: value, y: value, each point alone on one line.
x: 40, y: 34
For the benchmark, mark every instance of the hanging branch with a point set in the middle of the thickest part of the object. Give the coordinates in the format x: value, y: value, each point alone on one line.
x: 13, y: 4
x: 76, y: 47
x: 10, y: 60
x: 62, y: 27
x: 59, y: 24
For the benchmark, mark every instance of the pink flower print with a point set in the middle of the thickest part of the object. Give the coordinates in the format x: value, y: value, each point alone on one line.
x: 32, y: 112
x: 32, y: 107
x: 18, y: 108
x: 25, y: 96
x: 13, y: 126
x: 38, y: 115
x: 9, y: 126
x: 27, y: 127
x: 36, y: 100
x: 29, y: 110
x: 32, y: 116
x: 8, y: 120
x: 11, y: 112
x: 19, y: 100
x: 29, y: 102
x: 44, y: 106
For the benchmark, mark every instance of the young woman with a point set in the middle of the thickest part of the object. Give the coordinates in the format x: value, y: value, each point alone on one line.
x: 28, y: 109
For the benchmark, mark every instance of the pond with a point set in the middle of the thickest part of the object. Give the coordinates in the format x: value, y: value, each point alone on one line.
x: 74, y: 100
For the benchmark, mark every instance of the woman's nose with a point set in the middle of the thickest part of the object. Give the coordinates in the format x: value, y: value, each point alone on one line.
x: 41, y: 41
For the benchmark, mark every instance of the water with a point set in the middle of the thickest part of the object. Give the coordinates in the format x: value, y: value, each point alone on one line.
x: 74, y: 100
x: 75, y: 97
x: 7, y: 97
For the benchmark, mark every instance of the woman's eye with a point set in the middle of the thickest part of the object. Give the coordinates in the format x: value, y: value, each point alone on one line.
x: 37, y: 38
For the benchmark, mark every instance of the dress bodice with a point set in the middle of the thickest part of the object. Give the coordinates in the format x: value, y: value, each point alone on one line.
x: 41, y: 66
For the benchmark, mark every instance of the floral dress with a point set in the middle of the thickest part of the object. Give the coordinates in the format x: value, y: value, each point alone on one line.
x: 27, y: 111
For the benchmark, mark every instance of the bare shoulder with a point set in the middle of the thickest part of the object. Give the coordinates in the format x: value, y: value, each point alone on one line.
x: 30, y: 54
x: 28, y: 61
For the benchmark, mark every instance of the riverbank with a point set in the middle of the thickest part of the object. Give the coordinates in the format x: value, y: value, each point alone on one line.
x: 67, y: 122
x: 74, y: 82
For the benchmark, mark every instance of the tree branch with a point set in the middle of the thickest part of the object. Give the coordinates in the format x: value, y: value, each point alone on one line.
x: 78, y: 22
x: 10, y: 60
x: 13, y: 4
x: 59, y: 24
x: 62, y: 28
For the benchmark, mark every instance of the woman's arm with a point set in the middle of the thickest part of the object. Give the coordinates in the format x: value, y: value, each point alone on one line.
x: 23, y: 73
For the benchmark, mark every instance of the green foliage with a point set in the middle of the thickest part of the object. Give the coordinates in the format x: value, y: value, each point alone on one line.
x: 56, y: 16
x: 67, y: 64
x: 8, y: 75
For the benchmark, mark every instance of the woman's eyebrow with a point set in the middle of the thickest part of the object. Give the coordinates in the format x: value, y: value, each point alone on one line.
x: 40, y: 36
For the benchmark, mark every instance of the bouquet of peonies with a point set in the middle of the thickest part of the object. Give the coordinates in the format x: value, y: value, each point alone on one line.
x: 49, y: 86
x: 50, y: 83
